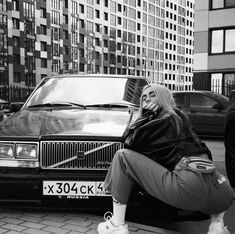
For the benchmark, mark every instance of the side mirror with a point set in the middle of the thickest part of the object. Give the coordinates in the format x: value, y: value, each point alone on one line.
x: 218, y: 106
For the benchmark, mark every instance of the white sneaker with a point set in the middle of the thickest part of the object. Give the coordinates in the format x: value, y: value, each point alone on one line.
x: 108, y: 227
x: 217, y: 227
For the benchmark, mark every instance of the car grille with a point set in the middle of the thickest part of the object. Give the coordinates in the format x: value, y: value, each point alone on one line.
x: 82, y: 155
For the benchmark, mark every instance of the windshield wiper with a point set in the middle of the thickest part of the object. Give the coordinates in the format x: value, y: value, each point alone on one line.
x: 57, y: 104
x: 113, y: 105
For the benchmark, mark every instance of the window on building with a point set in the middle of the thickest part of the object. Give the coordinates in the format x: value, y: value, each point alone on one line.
x: 74, y: 7
x: 55, y: 4
x: 30, y: 62
x: 90, y: 13
x: 112, y: 33
x: 16, y: 41
x: 81, y: 8
x: 229, y: 40
x: 112, y: 46
x: 3, y: 20
x: 81, y: 53
x: 16, y: 77
x: 222, y: 41
x: 105, y: 56
x: 217, y: 4
x: 119, y: 46
x: 43, y: 46
x: 55, y: 33
x: 43, y: 29
x: 113, y: 20
x: 81, y: 23
x: 15, y: 23
x: 97, y: 27
x: 74, y: 37
x: 97, y: 41
x: 43, y: 62
x: 97, y: 55
x: 97, y: 14
x: 17, y: 59
x: 30, y: 79
x: 106, y: 16
x: 43, y: 12
x: 81, y: 67
x: 29, y: 45
x: 106, y: 43
x: 65, y: 19
x: 81, y: 38
x: 105, y: 70
x: 106, y: 3
x: 113, y: 6
x: 65, y: 4
x: 119, y: 7
x: 105, y: 30
x: 74, y: 23
x: 66, y: 51
x: 55, y: 65
x: 55, y: 17
x: 15, y: 4
x: 28, y: 9
x: 65, y: 34
x: 29, y: 27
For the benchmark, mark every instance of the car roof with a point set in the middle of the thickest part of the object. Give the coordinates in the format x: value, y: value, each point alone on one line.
x: 96, y: 76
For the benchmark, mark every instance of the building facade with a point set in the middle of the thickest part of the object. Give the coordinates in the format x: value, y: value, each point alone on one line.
x: 214, y: 58
x: 150, y: 38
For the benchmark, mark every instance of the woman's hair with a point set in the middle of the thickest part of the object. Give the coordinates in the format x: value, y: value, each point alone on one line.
x: 165, y: 101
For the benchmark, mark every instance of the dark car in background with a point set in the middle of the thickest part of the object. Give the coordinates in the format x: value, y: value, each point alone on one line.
x: 59, y: 145
x: 229, y: 139
x: 4, y: 108
x: 205, y: 109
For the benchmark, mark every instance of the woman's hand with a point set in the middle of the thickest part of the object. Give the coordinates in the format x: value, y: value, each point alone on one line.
x: 151, y: 106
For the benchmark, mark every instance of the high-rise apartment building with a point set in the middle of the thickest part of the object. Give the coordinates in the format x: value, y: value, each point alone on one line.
x: 150, y: 38
x: 215, y: 45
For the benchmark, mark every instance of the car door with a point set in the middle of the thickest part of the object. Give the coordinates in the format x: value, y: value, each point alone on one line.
x: 206, y: 114
x: 180, y: 100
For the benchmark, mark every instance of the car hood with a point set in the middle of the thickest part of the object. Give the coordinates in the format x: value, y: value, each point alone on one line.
x: 66, y: 122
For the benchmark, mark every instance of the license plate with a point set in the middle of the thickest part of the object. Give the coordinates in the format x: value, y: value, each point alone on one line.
x: 74, y: 188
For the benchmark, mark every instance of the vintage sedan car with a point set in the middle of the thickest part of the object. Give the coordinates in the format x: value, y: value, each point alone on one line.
x: 205, y: 109
x: 229, y: 139
x: 62, y: 141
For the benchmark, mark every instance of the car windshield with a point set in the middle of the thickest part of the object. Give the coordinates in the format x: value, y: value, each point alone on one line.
x: 93, y: 91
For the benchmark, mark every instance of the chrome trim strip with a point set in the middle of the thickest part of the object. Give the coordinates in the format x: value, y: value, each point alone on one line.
x: 75, y: 157
x: 20, y: 163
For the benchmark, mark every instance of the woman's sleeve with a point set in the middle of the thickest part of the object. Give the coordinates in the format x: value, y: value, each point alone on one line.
x: 143, y: 135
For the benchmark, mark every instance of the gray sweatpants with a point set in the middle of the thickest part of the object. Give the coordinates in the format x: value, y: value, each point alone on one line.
x: 185, y: 189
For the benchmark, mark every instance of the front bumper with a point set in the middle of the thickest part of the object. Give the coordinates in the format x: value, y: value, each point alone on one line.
x: 25, y: 185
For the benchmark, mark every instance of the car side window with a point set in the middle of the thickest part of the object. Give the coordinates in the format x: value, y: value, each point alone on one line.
x: 201, y: 101
x: 209, y: 102
x: 179, y: 99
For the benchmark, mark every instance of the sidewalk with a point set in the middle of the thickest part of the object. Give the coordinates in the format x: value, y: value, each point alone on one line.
x: 41, y: 222
x: 15, y: 221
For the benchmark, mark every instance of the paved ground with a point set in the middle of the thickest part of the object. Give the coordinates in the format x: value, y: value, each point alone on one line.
x: 41, y: 222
